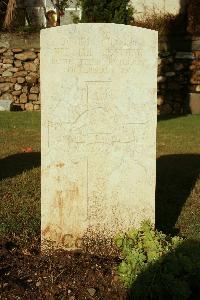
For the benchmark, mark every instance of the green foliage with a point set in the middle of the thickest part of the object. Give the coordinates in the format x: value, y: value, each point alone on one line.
x: 104, y: 11
x: 193, y: 11
x: 75, y: 18
x: 3, y: 7
x: 64, y: 4
x: 157, y: 266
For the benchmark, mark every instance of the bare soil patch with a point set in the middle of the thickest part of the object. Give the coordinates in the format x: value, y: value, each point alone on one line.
x: 26, y: 274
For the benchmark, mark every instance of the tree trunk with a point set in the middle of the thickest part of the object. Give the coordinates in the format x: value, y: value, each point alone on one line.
x: 9, y: 13
x: 58, y: 12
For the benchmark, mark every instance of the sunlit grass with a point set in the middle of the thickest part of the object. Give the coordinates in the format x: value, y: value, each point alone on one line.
x: 178, y: 167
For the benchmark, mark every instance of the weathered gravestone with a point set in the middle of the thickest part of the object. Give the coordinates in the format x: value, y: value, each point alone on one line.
x: 98, y: 84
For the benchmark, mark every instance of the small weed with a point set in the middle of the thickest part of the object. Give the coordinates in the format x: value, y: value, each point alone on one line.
x: 157, y: 266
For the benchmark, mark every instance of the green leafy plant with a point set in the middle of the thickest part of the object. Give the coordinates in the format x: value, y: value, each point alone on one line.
x: 75, y: 18
x: 157, y: 266
x: 112, y: 11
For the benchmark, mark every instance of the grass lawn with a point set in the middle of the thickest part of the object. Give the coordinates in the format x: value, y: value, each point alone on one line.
x: 178, y: 176
x: 20, y: 175
x: 178, y: 182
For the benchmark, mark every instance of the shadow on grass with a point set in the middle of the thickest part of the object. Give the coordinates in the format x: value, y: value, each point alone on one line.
x: 176, y: 177
x: 15, y: 164
x: 174, y: 276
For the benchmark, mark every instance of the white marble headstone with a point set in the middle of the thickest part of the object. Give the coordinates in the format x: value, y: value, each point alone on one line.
x: 98, y: 87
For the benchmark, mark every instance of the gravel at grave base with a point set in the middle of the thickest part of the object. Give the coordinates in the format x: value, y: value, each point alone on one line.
x: 62, y: 275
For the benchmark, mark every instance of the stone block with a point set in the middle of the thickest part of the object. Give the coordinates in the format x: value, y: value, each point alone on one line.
x: 185, y: 55
x: 12, y: 69
x: 194, y: 103
x: 17, y: 63
x: 197, y: 54
x: 7, y: 61
x: 166, y: 109
x: 196, y: 44
x: 31, y: 78
x: 37, y: 61
x: 7, y: 73
x: 33, y: 97
x: 170, y: 74
x: 6, y: 96
x: 21, y: 74
x: 16, y: 93
x: 23, y: 98
x: 161, y: 79
x: 29, y: 106
x: 6, y: 66
x: 195, y: 77
x: 30, y: 66
x: 2, y: 50
x: 160, y: 100
x: 17, y: 50
x: 25, y: 89
x: 4, y: 87
x: 34, y: 90
x: 36, y: 107
x: 20, y: 79
x: 8, y: 53
x: 197, y: 88
x: 13, y: 80
x: 179, y: 66
x: 5, y: 105
x: 26, y: 55
x: 18, y: 87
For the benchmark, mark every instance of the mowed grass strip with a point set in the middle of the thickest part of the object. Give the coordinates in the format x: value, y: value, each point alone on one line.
x: 19, y: 130
x: 177, y: 188
x: 20, y: 175
x: 178, y: 171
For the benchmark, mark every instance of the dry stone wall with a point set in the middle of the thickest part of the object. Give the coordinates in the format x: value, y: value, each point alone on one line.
x: 19, y: 80
x: 178, y: 73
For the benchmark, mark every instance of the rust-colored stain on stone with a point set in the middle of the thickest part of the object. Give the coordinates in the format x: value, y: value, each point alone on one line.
x: 60, y: 165
x: 73, y: 192
x: 60, y: 205
x: 56, y: 233
x: 46, y: 230
x: 68, y: 241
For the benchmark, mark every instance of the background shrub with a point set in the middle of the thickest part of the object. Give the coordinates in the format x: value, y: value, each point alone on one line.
x: 104, y: 11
